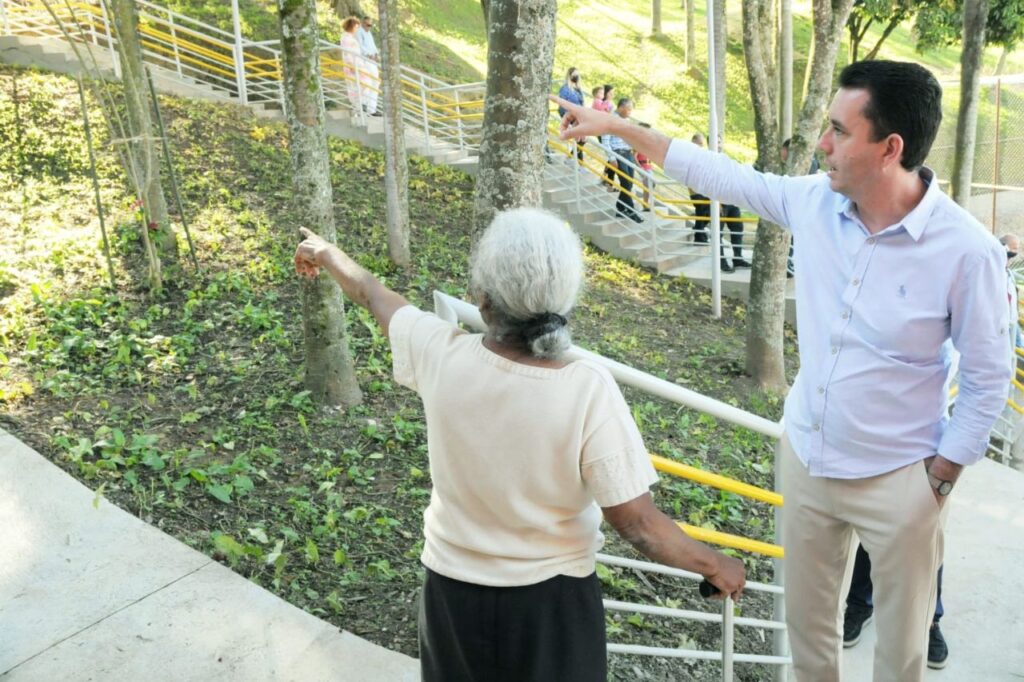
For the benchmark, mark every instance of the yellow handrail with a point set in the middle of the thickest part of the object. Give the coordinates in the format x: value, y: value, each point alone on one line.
x: 715, y: 480
x: 681, y: 470
x: 733, y: 541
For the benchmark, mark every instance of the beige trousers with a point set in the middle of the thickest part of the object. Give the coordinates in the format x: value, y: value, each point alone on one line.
x: 900, y: 525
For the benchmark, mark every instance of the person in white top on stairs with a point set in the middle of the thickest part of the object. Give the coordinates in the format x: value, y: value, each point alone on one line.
x: 371, y: 57
x: 528, y: 450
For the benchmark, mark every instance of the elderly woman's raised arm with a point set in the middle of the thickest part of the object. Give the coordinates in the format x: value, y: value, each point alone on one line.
x: 359, y: 285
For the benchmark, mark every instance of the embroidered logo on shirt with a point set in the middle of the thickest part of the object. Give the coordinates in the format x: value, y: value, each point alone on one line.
x: 902, y: 291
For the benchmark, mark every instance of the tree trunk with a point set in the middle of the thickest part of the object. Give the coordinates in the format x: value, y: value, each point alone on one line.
x: 767, y: 305
x: 786, y: 68
x: 858, y: 29
x: 889, y: 28
x: 1002, y: 61
x: 330, y: 376
x: 656, y: 17
x: 520, y: 56
x: 721, y: 38
x: 396, y: 175
x: 691, y: 33
x: 347, y: 8
x: 975, y: 13
x: 142, y: 152
x: 975, y: 16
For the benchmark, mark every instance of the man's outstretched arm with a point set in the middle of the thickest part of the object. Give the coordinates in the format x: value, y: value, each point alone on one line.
x: 581, y: 121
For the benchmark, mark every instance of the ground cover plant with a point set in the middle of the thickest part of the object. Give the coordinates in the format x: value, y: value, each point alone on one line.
x: 188, y: 410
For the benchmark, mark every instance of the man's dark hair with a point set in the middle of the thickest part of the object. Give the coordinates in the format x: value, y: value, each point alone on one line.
x: 623, y: 101
x: 904, y: 98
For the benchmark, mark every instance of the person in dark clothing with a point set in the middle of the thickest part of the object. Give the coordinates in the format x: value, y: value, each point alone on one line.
x: 624, y: 207
x: 572, y: 92
x: 860, y: 608
x: 702, y: 217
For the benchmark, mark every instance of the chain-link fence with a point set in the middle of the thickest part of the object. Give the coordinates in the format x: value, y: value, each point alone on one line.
x: 997, y: 196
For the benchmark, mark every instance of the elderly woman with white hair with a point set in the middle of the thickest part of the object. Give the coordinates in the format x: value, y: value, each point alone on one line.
x: 527, y: 451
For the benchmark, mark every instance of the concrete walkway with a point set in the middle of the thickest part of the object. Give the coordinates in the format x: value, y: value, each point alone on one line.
x: 90, y: 592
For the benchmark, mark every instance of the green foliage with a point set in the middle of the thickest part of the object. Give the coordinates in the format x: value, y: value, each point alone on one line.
x: 48, y: 140
x: 941, y: 23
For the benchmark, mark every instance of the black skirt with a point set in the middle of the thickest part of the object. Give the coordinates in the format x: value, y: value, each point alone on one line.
x: 550, y: 631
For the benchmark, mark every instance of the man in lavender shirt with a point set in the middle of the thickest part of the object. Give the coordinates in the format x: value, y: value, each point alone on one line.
x: 890, y: 268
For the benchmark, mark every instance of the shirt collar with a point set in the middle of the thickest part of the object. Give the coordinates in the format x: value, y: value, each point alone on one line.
x: 915, y: 221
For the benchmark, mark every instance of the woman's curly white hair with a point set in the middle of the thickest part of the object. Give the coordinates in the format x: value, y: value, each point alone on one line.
x: 529, y: 264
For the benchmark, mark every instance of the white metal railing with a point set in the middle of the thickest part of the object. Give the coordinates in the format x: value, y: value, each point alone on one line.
x: 458, y: 311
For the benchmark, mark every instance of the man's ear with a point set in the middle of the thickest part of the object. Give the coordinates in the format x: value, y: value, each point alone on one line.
x: 893, y: 149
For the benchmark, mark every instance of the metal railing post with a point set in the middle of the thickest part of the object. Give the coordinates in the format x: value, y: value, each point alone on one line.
x: 728, y: 638
x: 573, y: 148
x: 93, y: 36
x: 423, y: 113
x: 458, y: 121
x: 280, y: 79
x: 651, y: 204
x: 174, y: 39
x: 359, y: 90
x: 780, y: 640
x: 115, y: 62
x: 713, y: 225
x: 238, y: 53
x: 995, y: 152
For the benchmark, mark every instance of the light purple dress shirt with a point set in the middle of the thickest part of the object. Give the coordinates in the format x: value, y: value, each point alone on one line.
x: 873, y: 315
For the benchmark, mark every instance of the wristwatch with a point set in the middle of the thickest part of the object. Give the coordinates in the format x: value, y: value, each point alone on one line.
x: 943, y: 488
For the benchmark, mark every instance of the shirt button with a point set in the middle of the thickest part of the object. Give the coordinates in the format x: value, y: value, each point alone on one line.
x: 846, y: 314
x: 835, y: 350
x: 871, y: 241
x: 817, y: 427
x: 821, y: 389
x: 855, y: 282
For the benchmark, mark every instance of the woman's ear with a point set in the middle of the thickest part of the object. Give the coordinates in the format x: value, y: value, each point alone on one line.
x: 483, y: 302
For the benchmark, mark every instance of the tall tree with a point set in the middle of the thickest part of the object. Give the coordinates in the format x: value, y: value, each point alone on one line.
x: 330, y: 376
x: 767, y: 305
x: 520, y: 56
x: 888, y: 14
x: 785, y: 68
x: 396, y: 175
x: 975, y: 13
x: 142, y: 153
x: 347, y: 8
x: 656, y: 17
